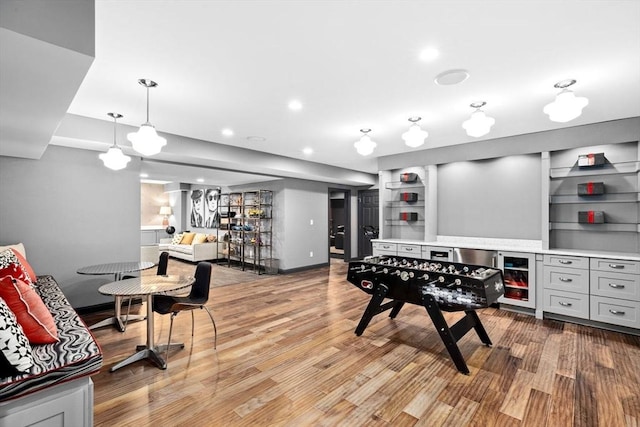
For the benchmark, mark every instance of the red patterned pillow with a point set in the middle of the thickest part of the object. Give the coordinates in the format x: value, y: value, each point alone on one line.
x: 27, y: 267
x: 10, y: 266
x: 32, y: 314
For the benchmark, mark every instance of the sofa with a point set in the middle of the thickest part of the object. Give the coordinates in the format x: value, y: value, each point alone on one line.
x: 193, y: 247
x: 57, y: 385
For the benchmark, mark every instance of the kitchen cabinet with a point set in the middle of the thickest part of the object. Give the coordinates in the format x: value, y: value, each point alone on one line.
x: 566, y: 285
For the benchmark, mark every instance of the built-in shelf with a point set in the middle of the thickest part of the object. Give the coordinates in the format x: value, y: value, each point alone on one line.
x: 606, y: 169
x: 398, y: 185
x: 602, y: 198
x: 607, y: 226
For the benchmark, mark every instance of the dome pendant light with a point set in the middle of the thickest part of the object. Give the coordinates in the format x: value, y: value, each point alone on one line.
x: 566, y: 106
x: 365, y: 145
x: 415, y: 136
x: 146, y: 141
x: 114, y: 158
x: 479, y: 124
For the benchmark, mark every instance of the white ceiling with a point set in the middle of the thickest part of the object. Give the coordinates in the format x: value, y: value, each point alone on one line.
x: 355, y: 64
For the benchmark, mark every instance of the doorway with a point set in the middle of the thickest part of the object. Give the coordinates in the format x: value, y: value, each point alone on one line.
x: 339, y: 224
x: 368, y: 220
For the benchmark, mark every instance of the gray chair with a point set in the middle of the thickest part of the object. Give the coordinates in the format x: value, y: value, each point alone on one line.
x: 197, y: 298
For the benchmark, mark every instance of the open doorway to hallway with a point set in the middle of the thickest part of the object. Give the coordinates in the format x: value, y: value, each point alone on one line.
x: 339, y: 224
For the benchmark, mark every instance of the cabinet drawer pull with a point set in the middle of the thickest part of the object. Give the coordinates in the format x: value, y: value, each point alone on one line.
x: 408, y: 249
x: 565, y: 279
x: 565, y: 261
x: 616, y: 312
x: 616, y: 286
x: 386, y: 247
x: 565, y: 304
x: 617, y: 266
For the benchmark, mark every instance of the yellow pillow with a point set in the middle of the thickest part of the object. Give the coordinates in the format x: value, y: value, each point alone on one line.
x: 199, y: 238
x: 187, y: 238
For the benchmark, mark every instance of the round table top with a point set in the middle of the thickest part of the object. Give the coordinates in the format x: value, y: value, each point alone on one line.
x: 145, y: 285
x: 116, y: 267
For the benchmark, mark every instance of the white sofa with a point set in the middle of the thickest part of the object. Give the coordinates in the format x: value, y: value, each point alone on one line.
x: 194, y: 252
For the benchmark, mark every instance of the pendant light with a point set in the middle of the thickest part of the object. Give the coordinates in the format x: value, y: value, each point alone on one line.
x: 415, y: 136
x: 479, y: 124
x: 146, y: 141
x: 365, y: 145
x: 114, y: 158
x: 566, y: 106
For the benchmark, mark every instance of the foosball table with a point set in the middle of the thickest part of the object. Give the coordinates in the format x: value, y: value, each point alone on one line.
x: 437, y: 286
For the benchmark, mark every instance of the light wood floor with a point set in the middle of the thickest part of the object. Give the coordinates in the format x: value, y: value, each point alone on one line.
x: 287, y: 355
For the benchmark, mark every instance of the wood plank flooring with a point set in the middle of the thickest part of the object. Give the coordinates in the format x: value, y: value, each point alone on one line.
x: 287, y: 356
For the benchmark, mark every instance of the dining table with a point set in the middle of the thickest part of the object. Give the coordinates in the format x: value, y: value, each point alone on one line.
x: 118, y: 270
x: 147, y: 286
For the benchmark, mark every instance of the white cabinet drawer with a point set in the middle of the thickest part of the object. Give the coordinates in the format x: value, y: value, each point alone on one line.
x: 615, y: 311
x: 413, y: 251
x: 566, y: 303
x: 615, y: 265
x: 381, y: 248
x: 437, y: 253
x: 566, y: 279
x: 566, y: 261
x: 616, y: 285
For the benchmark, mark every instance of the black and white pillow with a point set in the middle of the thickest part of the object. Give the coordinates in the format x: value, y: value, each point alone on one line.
x: 15, y: 350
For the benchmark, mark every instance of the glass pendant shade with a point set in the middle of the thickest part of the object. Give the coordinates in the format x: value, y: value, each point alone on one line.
x: 566, y: 107
x: 115, y: 159
x: 365, y: 145
x: 415, y: 136
x: 479, y: 124
x: 146, y: 141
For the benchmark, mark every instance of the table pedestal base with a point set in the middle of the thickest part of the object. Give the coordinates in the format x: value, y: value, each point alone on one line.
x: 118, y: 322
x: 143, y: 352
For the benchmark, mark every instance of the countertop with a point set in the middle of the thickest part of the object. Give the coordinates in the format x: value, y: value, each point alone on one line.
x: 511, y: 245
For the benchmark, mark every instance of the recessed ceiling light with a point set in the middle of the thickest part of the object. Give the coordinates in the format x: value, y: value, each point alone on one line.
x: 295, y: 105
x: 429, y: 54
x: 144, y: 175
x: 256, y: 138
x: 200, y: 179
x: 308, y: 151
x: 227, y: 132
x: 451, y: 77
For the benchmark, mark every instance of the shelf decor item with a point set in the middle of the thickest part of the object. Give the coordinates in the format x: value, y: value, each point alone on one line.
x: 591, y: 159
x: 409, y: 197
x: 408, y: 177
x: 591, y: 217
x: 408, y: 216
x: 591, y: 189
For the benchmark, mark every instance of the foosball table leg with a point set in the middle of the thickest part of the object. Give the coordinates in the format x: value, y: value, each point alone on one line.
x: 449, y: 340
x: 373, y: 308
x: 396, y: 309
x: 479, y: 327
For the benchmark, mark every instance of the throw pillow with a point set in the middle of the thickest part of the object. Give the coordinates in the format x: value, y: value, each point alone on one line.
x: 26, y: 265
x: 30, y: 311
x: 187, y: 238
x: 10, y: 266
x: 176, y: 239
x: 15, y: 351
x: 199, y: 238
x: 18, y: 246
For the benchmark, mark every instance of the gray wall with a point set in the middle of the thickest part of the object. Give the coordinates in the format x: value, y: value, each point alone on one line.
x: 497, y: 198
x: 70, y: 211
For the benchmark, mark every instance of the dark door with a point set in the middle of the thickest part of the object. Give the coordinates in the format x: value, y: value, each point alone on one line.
x: 368, y: 217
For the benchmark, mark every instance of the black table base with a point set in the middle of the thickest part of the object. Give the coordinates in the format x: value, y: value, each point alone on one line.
x: 450, y: 335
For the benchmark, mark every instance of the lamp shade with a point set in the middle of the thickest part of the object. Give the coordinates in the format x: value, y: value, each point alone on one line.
x: 165, y: 210
x: 415, y: 136
x: 115, y: 159
x: 479, y: 124
x: 566, y: 107
x: 365, y: 145
x: 146, y: 141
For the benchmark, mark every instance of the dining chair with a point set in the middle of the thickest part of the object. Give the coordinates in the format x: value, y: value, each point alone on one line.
x: 197, y: 298
x: 163, y: 263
